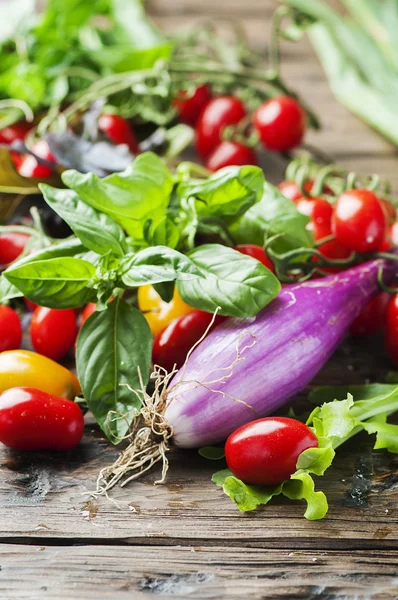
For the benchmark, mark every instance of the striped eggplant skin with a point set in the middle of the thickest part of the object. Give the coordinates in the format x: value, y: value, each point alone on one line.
x: 282, y: 349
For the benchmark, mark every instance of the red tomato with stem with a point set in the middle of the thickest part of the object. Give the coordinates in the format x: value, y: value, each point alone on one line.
x: 280, y: 123
x: 189, y: 106
x: 391, y: 330
x: 34, y: 420
x: 16, y: 131
x: 265, y: 451
x: 12, y: 244
x: 10, y: 329
x: 172, y: 345
x: 53, y: 332
x: 258, y: 253
x: 372, y: 318
x: 214, y: 118
x: 227, y: 154
x: 359, y: 221
x: 118, y: 130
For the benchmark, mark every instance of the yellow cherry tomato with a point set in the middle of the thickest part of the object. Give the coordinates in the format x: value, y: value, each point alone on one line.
x: 157, y: 312
x: 22, y: 368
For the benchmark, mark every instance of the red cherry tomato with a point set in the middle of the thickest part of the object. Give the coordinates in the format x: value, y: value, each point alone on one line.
x: 280, y: 123
x: 12, y: 244
x: 359, y: 222
x: 189, y: 107
x: 34, y: 420
x: 118, y: 131
x: 258, y: 253
x: 87, y: 312
x: 265, y: 451
x: 30, y: 167
x: 10, y: 329
x: 391, y: 330
x: 53, y: 332
x: 218, y: 114
x: 372, y: 318
x: 230, y: 153
x: 172, y: 345
x: 16, y: 131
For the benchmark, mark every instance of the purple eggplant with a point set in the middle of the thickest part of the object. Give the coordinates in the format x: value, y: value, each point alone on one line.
x: 280, y: 351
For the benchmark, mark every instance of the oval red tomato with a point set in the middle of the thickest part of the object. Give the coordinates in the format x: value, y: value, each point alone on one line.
x: 189, y: 106
x: 172, y: 345
x: 53, y: 332
x: 258, y: 253
x: 358, y: 221
x: 10, y: 329
x: 280, y: 123
x: 265, y: 451
x: 214, y: 118
x: 228, y: 154
x: 12, y: 244
x: 118, y: 130
x: 34, y: 420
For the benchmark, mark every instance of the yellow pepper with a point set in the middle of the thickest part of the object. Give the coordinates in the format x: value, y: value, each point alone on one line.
x: 22, y: 368
x: 157, y: 312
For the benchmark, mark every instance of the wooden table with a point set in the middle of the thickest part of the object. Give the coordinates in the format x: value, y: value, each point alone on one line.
x: 185, y: 539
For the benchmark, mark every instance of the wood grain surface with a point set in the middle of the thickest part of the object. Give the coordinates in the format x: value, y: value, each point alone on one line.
x: 185, y: 539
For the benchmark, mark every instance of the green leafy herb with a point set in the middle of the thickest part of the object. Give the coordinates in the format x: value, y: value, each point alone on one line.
x: 113, y: 349
x: 274, y: 215
x: 132, y: 197
x: 56, y: 283
x: 238, y: 284
x: 96, y: 230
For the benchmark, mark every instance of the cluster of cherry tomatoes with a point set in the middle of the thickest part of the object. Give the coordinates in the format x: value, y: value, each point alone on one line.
x: 359, y: 221
x: 279, y: 122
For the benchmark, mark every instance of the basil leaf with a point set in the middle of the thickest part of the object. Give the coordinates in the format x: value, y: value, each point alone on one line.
x: 139, y: 193
x: 238, y: 284
x: 112, y: 347
x: 69, y: 247
x: 165, y: 290
x: 8, y: 291
x: 166, y: 233
x: 96, y: 230
x: 229, y: 192
x: 273, y: 215
x: 56, y: 283
x: 122, y: 58
x: 155, y: 265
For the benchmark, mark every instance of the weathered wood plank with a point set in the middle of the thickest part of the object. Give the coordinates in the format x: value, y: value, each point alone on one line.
x: 41, y: 496
x: 140, y: 572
